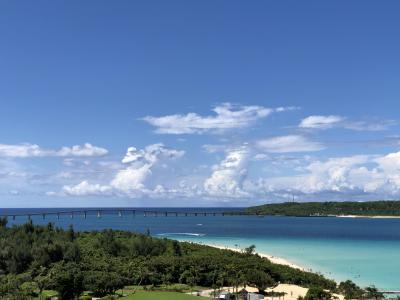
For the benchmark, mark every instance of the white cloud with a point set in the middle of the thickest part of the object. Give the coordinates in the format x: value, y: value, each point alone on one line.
x: 31, y: 150
x: 140, y: 165
x: 376, y: 125
x: 131, y: 179
x: 320, y: 122
x: 84, y: 189
x: 289, y: 143
x: 85, y: 150
x: 226, y: 117
x: 286, y: 108
x: 353, y: 176
x: 151, y: 154
x: 333, y: 174
x: 390, y: 162
x: 326, y: 122
x: 361, y: 174
x: 228, y: 176
x: 390, y: 166
x: 23, y: 150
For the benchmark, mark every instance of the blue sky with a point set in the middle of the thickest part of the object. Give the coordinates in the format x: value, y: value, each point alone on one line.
x: 225, y: 102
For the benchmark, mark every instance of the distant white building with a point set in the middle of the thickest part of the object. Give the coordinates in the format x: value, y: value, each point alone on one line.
x: 226, y: 296
x: 247, y: 296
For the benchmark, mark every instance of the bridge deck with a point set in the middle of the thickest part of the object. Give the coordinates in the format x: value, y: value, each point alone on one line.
x: 121, y: 212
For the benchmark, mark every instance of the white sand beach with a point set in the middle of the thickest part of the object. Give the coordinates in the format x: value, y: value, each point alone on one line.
x: 272, y: 258
x: 368, y: 217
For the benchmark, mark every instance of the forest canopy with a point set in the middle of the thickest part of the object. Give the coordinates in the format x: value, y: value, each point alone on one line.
x: 305, y: 209
x: 36, y: 258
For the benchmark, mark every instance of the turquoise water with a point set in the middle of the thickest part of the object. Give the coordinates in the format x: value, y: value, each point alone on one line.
x: 364, y: 262
x: 364, y: 250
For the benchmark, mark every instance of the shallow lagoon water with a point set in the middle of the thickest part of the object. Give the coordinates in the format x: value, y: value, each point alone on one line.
x: 364, y: 250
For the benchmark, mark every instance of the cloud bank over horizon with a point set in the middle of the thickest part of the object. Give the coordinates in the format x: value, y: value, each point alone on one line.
x: 249, y: 166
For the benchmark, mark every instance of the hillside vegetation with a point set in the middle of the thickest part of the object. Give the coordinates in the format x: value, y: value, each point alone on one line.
x: 373, y: 208
x: 35, y: 259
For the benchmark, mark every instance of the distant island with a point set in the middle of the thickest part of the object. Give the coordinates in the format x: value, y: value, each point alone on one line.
x: 309, y: 209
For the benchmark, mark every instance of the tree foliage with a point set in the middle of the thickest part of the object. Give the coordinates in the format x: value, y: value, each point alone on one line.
x: 372, y: 208
x: 35, y: 258
x: 318, y: 293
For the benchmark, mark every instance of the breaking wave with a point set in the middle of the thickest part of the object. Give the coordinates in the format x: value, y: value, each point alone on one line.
x: 181, y: 233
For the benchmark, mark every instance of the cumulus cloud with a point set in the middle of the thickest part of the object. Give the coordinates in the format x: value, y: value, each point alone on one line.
x: 84, y: 189
x: 333, y: 174
x: 360, y: 174
x: 32, y: 150
x: 288, y: 143
x: 227, y: 116
x: 131, y: 179
x: 353, y: 176
x: 228, y: 176
x: 140, y: 164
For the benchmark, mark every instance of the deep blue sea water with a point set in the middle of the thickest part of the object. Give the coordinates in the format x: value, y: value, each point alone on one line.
x: 364, y: 250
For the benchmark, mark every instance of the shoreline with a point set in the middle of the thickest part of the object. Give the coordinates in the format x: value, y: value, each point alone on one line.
x: 330, y: 216
x: 292, y: 291
x: 369, y: 217
x: 274, y: 259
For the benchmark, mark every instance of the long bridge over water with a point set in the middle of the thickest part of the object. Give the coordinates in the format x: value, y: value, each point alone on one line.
x: 99, y: 212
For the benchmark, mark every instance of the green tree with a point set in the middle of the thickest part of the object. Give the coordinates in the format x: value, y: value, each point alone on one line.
x: 3, y: 222
x: 259, y: 279
x: 29, y: 289
x: 71, y: 233
x: 103, y: 283
x: 67, y: 280
x: 176, y: 248
x: 190, y: 277
x: 317, y: 293
x: 350, y: 290
x: 372, y: 292
x: 42, y: 279
x: 250, y: 250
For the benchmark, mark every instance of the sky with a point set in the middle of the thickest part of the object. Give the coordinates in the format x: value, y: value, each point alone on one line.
x: 198, y: 103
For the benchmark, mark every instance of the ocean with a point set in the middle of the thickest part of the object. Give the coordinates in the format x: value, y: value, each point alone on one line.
x: 364, y: 250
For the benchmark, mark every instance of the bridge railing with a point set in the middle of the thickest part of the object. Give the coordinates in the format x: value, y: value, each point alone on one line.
x: 120, y: 212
